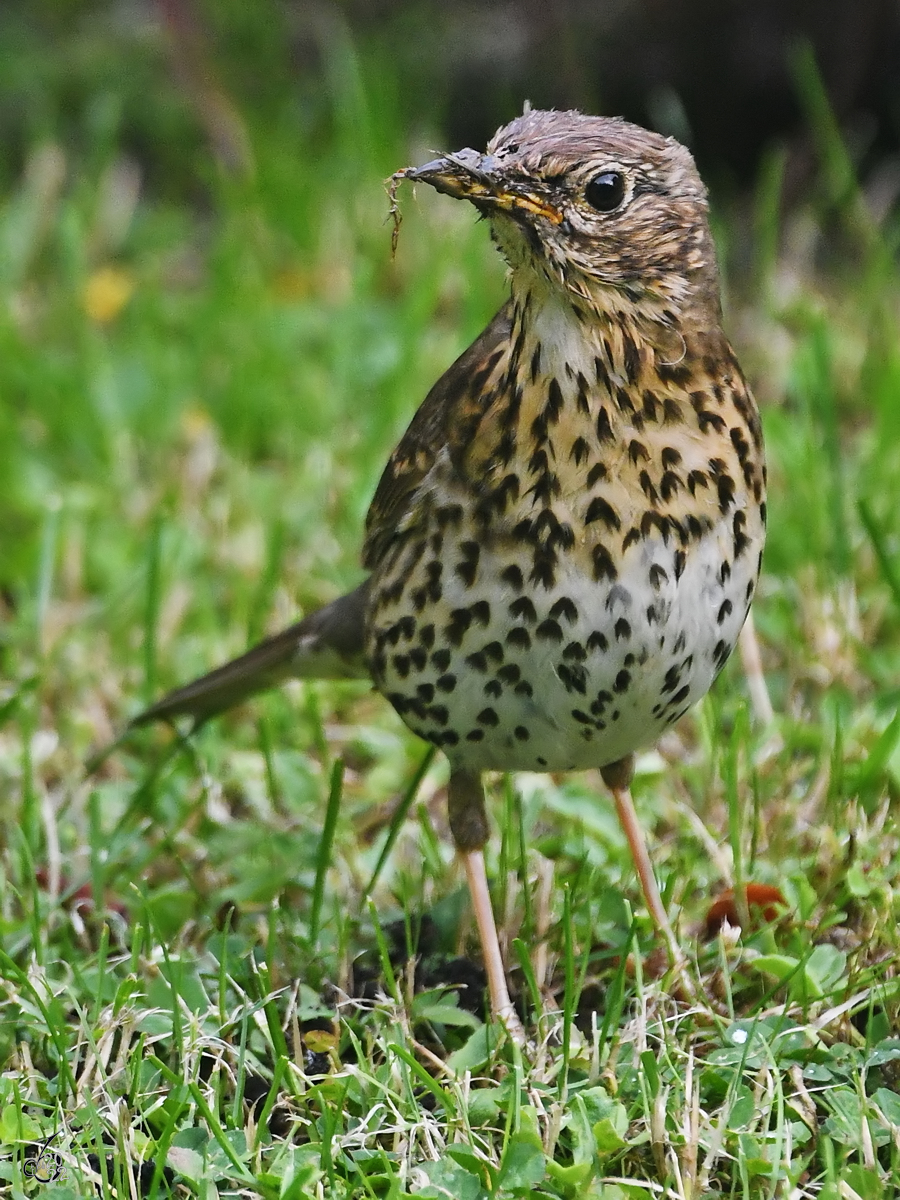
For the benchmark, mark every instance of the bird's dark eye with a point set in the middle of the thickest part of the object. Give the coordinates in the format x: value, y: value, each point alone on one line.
x: 606, y: 191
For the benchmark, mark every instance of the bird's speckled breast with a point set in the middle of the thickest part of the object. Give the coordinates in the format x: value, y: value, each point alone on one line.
x: 568, y: 589
x: 575, y: 676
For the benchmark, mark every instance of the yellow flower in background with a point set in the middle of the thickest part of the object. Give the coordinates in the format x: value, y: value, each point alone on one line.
x: 106, y: 293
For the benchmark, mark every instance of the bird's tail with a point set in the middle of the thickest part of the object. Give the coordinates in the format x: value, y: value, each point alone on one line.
x: 328, y: 644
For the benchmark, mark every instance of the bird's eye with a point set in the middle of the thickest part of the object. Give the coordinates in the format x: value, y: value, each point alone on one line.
x: 606, y: 191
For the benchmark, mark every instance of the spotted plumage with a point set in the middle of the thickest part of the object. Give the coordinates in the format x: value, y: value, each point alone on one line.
x: 564, y: 545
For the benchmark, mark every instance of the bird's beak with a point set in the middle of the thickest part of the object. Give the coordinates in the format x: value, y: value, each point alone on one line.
x: 481, y: 179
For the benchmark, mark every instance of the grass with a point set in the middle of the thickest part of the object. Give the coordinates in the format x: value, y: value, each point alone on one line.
x: 209, y: 980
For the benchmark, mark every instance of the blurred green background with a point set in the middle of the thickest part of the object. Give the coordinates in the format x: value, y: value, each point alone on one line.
x: 207, y: 351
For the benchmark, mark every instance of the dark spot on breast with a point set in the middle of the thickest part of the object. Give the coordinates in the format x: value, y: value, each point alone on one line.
x: 669, y: 485
x: 564, y: 609
x: 441, y: 659
x: 725, y: 486
x: 426, y: 636
x: 521, y: 733
x: 481, y: 612
x: 573, y: 678
x: 694, y: 527
x: 539, y: 463
x: 597, y: 472
x: 604, y: 428
x: 623, y: 680
x: 725, y: 610
x: 672, y: 679
x: 446, y: 683
x: 705, y: 419
x: 467, y: 569
x: 648, y: 487
x: 631, y: 538
x: 678, y: 373
x: 475, y: 735
x: 401, y: 664
x: 580, y: 450
x: 448, y: 514
x: 575, y: 652
x: 506, y: 445
x: 740, y: 443
x: 671, y: 411
x: 455, y: 631
x: 494, y: 651
x: 519, y: 638
x: 477, y: 661
x: 418, y: 657
x: 545, y: 488
x: 622, y: 630
x: 510, y: 673
x: 680, y: 696
x: 696, y: 479
x: 654, y: 520
x: 598, y: 641
x: 625, y: 404
x: 741, y: 541
x: 523, y: 609
x: 513, y: 576
x: 543, y: 570
x: 524, y: 689
x: 554, y: 404
x: 603, y: 565
x: 549, y: 631
x: 539, y: 429
x: 582, y: 404
x: 582, y: 717
x: 637, y: 451
x: 679, y: 563
x: 494, y: 689
x: 487, y: 716
x: 658, y: 576
x: 601, y: 510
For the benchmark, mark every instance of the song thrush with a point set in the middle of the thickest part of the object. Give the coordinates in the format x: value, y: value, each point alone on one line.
x: 563, y: 547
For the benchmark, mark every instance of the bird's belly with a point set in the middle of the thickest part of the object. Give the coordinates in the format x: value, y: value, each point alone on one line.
x: 563, y: 678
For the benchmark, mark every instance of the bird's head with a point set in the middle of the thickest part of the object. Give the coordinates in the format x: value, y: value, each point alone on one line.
x: 612, y: 217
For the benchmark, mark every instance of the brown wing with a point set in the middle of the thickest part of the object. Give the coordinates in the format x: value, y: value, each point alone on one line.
x: 444, y: 419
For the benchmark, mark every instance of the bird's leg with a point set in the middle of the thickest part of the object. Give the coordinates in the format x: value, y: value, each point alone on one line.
x: 468, y: 824
x: 617, y: 777
x: 751, y: 660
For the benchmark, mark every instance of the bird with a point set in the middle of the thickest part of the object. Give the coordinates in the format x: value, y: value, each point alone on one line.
x: 564, y: 545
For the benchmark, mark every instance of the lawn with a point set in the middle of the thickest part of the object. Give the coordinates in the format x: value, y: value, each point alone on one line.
x: 243, y: 962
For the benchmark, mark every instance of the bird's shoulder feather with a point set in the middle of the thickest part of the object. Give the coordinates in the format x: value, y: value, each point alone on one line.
x: 446, y: 420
